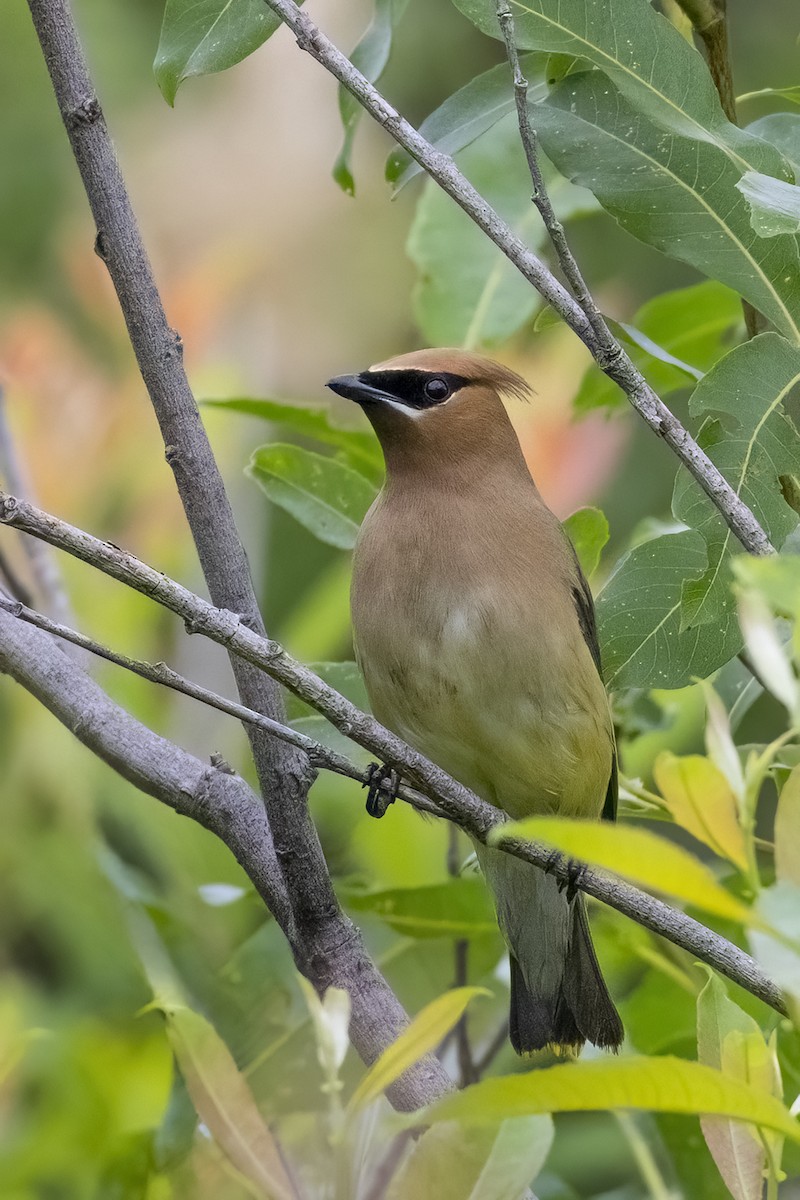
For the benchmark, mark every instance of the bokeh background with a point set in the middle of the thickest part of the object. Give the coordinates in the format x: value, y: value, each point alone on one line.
x: 276, y: 280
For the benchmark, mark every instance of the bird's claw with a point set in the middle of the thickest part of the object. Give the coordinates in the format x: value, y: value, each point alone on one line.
x: 380, y: 797
x: 575, y: 872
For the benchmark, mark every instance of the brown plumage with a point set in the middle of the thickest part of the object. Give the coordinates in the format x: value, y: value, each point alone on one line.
x: 474, y: 630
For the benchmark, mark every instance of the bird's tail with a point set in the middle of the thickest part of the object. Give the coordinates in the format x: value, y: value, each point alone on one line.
x: 558, y: 994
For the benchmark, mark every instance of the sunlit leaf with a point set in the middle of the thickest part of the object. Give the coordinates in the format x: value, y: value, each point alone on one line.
x: 719, y: 741
x: 729, y: 1040
x: 587, y: 529
x: 493, y: 1162
x: 423, y: 1034
x: 767, y: 651
x: 370, y: 57
x: 460, y: 908
x: 692, y: 324
x: 199, y: 37
x: 653, y: 1084
x: 225, y: 1103
x: 774, y: 204
x: 700, y: 799
x: 674, y: 194
x: 329, y: 498
x: 636, y: 854
x: 787, y: 831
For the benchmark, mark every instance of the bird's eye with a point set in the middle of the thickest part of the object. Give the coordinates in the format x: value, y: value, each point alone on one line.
x: 437, y: 390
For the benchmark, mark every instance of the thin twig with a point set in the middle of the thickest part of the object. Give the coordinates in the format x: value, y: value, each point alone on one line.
x: 474, y: 815
x: 160, y: 673
x: 387, y: 1168
x: 441, y: 168
x: 540, y: 197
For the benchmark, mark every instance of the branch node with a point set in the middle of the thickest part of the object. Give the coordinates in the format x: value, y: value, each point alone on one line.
x: 221, y: 764
x: 100, y: 247
x: 88, y: 112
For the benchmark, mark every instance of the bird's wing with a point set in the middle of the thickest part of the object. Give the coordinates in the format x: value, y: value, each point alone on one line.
x: 584, y: 606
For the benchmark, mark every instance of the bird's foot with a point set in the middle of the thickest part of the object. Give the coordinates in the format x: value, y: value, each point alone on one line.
x: 575, y: 874
x: 379, y: 795
x: 575, y: 871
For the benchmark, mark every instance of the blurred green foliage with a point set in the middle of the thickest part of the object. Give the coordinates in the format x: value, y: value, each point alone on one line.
x: 107, y: 899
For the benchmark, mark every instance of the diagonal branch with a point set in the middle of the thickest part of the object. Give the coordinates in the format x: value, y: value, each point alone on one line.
x: 615, y: 363
x: 456, y: 802
x: 224, y: 804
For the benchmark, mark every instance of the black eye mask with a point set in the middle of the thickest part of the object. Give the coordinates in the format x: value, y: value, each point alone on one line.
x: 415, y: 389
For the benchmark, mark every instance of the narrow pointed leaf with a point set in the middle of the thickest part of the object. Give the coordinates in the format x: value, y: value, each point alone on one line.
x: 423, y: 1034
x: 729, y: 1040
x: 665, y: 1084
x: 638, y: 855
x: 225, y: 1103
x: 326, y: 496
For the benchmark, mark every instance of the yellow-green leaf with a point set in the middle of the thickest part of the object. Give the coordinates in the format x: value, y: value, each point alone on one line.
x: 729, y: 1040
x: 225, y: 1103
x: 787, y: 831
x: 423, y: 1034
x: 639, y: 855
x: 701, y: 800
x: 664, y: 1084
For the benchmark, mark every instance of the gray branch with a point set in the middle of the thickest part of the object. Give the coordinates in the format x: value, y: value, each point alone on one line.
x: 456, y: 802
x: 283, y: 771
x: 613, y: 361
x: 223, y: 803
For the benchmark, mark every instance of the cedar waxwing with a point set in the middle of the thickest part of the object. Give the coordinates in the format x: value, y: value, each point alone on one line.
x: 475, y: 632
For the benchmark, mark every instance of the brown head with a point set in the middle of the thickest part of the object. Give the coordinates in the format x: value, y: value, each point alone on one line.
x: 437, y: 412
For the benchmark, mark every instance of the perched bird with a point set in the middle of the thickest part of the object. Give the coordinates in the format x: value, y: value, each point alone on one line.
x: 475, y: 632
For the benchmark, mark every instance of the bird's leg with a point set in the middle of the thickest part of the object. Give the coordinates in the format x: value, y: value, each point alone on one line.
x: 380, y: 797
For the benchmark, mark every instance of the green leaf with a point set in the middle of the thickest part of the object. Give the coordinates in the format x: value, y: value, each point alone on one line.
x: 700, y: 799
x: 460, y: 908
x: 655, y: 68
x: 468, y: 293
x: 587, y: 529
x: 729, y: 1040
x: 787, y: 831
x: 327, y: 497
x: 638, y: 855
x: 225, y: 1103
x: 781, y: 130
x: 652, y: 1084
x: 468, y: 113
x: 792, y: 92
x: 423, y: 1034
x: 359, y: 447
x: 677, y: 195
x: 752, y: 442
x: 692, y: 324
x: 774, y: 204
x: 199, y: 37
x: 642, y: 639
x: 494, y: 1162
x: 370, y: 57
x: 779, y: 956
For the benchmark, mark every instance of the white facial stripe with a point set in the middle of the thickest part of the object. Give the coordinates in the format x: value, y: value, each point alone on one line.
x: 404, y: 408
